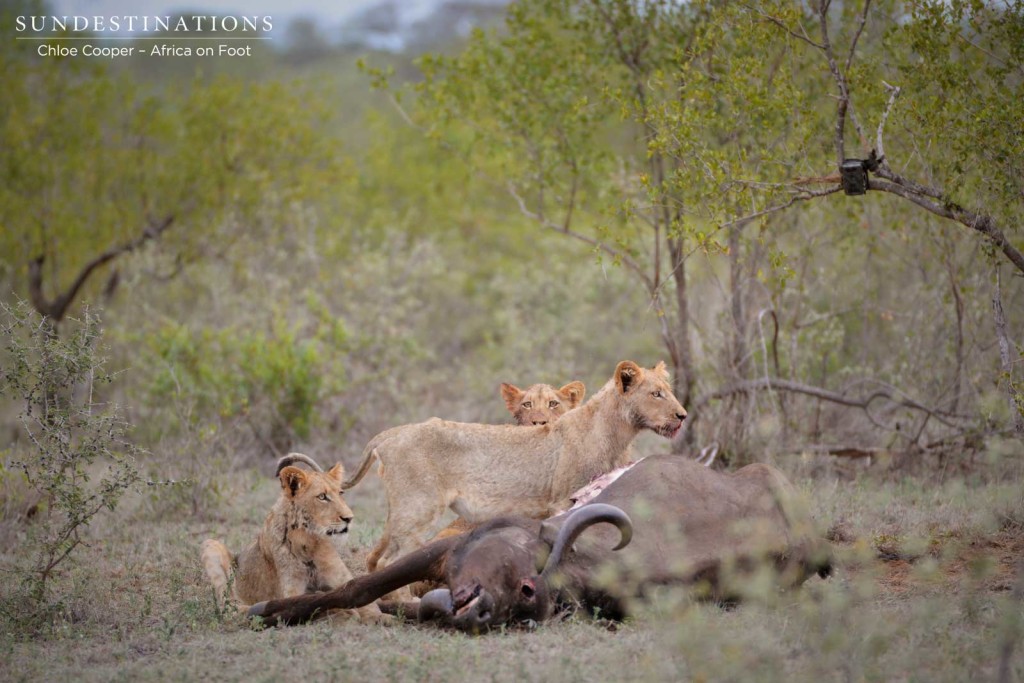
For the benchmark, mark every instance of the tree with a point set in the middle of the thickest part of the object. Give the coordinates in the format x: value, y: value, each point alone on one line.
x: 96, y: 166
x: 656, y: 131
x: 540, y: 106
x: 949, y: 74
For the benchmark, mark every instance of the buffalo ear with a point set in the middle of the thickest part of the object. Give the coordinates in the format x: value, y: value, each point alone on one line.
x: 512, y: 395
x: 548, y: 534
x: 293, y: 480
x: 573, y: 393
x: 337, y: 472
x: 626, y: 375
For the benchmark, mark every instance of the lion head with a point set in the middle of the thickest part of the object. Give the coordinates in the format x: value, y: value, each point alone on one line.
x: 541, y: 403
x: 315, y: 501
x: 648, y: 398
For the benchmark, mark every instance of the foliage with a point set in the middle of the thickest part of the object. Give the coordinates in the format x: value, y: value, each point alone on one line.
x: 681, y: 141
x: 274, y: 381
x: 94, y: 164
x: 77, y: 455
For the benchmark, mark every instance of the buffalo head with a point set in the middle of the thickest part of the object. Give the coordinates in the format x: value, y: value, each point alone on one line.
x: 505, y: 572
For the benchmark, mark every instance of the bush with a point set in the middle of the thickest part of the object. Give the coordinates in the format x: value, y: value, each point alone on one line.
x: 75, y: 454
x: 273, y: 382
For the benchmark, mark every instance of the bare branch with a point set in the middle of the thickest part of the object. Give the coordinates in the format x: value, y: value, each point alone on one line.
x: 861, y: 20
x: 802, y: 196
x: 56, y: 308
x: 778, y: 22
x: 776, y: 384
x: 563, y: 229
x: 894, y: 93
x: 976, y: 221
x: 837, y: 75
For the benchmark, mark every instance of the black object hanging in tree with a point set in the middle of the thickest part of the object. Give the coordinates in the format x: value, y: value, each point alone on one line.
x: 854, y: 173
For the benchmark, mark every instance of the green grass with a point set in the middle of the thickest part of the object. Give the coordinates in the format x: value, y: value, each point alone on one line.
x: 138, y: 607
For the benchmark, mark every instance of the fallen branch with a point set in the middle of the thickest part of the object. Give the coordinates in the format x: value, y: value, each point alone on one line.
x: 846, y: 451
x: 776, y: 384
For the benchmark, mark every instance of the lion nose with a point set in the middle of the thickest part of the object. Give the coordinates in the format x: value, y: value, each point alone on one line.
x: 537, y: 423
x: 681, y: 415
x: 346, y: 519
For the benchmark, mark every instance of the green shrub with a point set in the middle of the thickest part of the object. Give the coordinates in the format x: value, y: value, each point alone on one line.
x: 273, y: 381
x: 75, y: 453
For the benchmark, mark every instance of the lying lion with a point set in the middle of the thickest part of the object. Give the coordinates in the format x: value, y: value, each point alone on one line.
x: 293, y: 553
x: 540, y: 404
x: 483, y: 471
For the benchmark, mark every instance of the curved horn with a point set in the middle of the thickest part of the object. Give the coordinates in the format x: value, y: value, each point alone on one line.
x: 293, y: 458
x: 579, y: 521
x: 436, y: 603
x: 425, y: 564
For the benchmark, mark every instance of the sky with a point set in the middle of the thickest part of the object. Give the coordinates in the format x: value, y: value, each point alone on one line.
x: 331, y: 12
x: 330, y: 15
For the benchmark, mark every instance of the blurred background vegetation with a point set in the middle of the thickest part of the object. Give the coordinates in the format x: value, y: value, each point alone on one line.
x: 296, y: 250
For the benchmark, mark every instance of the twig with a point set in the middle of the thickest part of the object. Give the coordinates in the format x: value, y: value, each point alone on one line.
x: 625, y: 259
x: 863, y: 19
x: 778, y: 22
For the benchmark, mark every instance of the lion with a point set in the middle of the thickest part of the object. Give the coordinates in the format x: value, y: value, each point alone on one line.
x: 541, y: 403
x: 293, y: 553
x: 483, y: 471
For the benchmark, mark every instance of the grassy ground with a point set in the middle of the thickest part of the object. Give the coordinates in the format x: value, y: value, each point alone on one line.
x: 923, y: 591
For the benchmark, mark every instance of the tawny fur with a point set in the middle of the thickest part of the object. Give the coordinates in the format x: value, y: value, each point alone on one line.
x: 541, y: 404
x: 293, y: 553
x: 483, y: 471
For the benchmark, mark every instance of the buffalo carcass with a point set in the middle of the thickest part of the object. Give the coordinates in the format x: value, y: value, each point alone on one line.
x: 677, y: 521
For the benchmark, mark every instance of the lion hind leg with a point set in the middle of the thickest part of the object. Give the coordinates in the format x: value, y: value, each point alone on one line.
x: 217, y: 561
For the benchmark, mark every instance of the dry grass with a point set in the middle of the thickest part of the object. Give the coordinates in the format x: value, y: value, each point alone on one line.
x: 922, y: 593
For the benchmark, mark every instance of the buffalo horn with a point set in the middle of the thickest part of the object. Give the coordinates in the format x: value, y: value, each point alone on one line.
x: 293, y: 458
x: 436, y: 603
x: 579, y: 521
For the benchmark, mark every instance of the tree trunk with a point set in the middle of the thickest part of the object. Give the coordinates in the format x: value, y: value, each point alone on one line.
x: 1013, y: 398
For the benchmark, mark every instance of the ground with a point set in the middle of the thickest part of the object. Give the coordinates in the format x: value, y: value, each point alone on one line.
x: 923, y: 591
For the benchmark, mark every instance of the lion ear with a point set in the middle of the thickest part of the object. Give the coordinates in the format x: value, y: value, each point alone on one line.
x: 512, y: 395
x: 293, y: 480
x: 660, y: 370
x: 626, y: 375
x: 337, y: 472
x: 573, y: 393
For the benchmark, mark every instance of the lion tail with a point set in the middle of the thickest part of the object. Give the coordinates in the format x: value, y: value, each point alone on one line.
x: 217, y: 561
x: 369, y: 455
x: 370, y: 452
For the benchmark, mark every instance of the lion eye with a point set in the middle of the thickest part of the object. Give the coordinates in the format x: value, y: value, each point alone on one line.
x: 324, y: 497
x: 527, y: 404
x: 552, y: 404
x: 656, y: 394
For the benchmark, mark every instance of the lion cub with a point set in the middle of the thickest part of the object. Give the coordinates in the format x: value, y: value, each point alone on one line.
x: 541, y: 403
x: 293, y: 554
